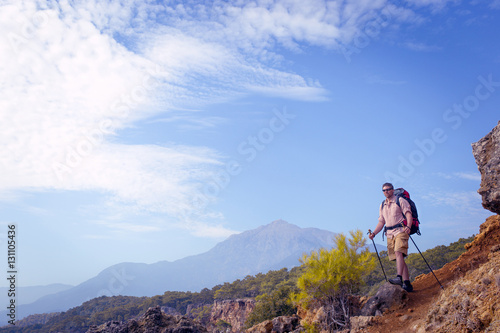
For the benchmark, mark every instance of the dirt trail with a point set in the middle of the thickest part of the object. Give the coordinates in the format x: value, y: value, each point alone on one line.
x: 426, y: 288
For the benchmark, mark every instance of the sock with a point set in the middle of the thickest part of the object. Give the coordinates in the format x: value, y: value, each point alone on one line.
x: 407, y: 282
x: 400, y: 277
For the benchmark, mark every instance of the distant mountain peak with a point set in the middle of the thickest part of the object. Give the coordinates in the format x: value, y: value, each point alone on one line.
x: 277, y: 228
x: 279, y: 221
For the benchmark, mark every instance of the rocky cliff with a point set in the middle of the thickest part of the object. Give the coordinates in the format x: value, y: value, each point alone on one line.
x: 487, y: 154
x: 232, y: 312
x: 226, y: 316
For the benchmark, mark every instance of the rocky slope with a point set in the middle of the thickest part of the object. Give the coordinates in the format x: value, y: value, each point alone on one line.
x: 469, y: 300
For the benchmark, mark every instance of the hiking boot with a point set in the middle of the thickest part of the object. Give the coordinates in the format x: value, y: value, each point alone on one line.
x: 408, y: 287
x: 397, y: 281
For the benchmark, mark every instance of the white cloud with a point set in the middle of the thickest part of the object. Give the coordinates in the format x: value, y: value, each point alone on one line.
x: 474, y: 176
x: 73, y: 74
x: 421, y: 47
x: 66, y: 89
x: 460, y: 201
x: 495, y: 4
x: 192, y: 122
x: 285, y: 22
x: 59, y: 82
x: 154, y: 178
x: 212, y: 231
x: 434, y: 5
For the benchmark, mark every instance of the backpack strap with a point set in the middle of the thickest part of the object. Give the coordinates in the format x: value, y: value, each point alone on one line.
x: 385, y: 229
x: 399, y: 225
x: 399, y: 204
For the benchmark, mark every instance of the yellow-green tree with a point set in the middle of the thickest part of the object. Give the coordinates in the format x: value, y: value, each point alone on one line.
x: 331, y: 277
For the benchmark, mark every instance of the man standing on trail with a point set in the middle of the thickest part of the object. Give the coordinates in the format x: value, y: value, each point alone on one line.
x: 392, y: 216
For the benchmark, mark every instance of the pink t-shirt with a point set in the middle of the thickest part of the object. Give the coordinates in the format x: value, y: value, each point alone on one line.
x: 390, y: 214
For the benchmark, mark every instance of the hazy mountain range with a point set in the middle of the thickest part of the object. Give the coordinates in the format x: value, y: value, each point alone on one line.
x: 30, y: 294
x: 269, y: 247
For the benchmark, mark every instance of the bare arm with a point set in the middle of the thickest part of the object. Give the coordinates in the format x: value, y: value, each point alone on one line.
x: 378, y: 228
x: 409, y: 221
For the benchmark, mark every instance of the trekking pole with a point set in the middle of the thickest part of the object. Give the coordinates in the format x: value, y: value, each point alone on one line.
x: 426, y: 263
x: 380, y: 261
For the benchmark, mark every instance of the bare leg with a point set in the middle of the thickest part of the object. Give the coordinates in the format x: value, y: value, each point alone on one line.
x: 401, y: 266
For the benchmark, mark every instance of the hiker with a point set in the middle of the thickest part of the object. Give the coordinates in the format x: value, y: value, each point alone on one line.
x: 392, y: 216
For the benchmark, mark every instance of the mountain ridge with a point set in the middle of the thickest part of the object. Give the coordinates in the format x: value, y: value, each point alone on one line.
x: 30, y: 294
x: 276, y: 245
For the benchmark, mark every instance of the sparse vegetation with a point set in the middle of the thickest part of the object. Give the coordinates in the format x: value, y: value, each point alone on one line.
x: 331, y: 277
x: 223, y: 326
x: 271, y: 290
x: 273, y: 305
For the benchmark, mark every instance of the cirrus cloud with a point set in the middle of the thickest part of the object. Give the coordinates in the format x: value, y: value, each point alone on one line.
x: 75, y: 74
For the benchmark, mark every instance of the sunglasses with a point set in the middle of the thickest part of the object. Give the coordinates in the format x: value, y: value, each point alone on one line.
x: 387, y: 190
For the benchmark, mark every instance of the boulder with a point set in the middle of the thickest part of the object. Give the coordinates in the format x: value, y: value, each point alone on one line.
x: 487, y: 154
x: 361, y: 323
x: 387, y: 297
x: 278, y: 325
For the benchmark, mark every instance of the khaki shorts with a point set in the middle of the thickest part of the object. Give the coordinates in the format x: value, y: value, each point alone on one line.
x: 398, y: 244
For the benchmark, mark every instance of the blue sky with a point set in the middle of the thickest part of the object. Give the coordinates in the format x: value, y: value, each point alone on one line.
x: 145, y: 131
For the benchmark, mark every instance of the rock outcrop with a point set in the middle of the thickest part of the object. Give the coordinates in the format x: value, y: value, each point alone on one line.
x: 153, y: 321
x: 278, y: 325
x: 387, y: 297
x: 318, y: 317
x: 487, y: 154
x: 232, y: 312
x: 360, y: 323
